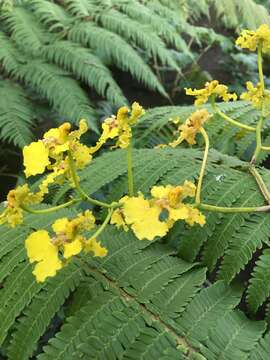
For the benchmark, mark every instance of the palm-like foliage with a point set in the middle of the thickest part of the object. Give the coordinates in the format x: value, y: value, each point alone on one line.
x: 143, y: 300
x: 54, y: 49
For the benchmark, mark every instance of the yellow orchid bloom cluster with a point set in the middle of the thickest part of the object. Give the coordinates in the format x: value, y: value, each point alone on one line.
x: 50, y: 253
x: 119, y: 126
x: 189, y: 129
x: 255, y: 94
x: 144, y: 215
x: 52, y: 151
x: 212, y: 88
x: 16, y: 200
x: 251, y: 40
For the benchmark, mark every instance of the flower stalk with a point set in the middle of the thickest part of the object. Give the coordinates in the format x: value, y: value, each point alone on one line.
x: 221, y: 209
x: 230, y: 120
x: 51, y: 209
x: 203, y: 167
x: 130, y: 170
x: 81, y: 192
x: 103, y: 225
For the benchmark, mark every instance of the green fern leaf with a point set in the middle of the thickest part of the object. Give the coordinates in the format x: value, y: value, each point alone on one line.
x: 16, y: 294
x: 115, y: 50
x: 85, y: 66
x: 259, y: 287
x: 205, y: 309
x: 251, y: 237
x: 39, y: 313
x: 234, y: 337
x: 261, y: 351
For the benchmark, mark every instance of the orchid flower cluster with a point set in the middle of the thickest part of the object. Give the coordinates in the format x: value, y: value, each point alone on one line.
x: 60, y: 154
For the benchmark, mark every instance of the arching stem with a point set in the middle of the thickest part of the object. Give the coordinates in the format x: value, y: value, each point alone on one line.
x: 130, y: 170
x: 103, y: 225
x: 221, y: 209
x: 81, y: 192
x: 202, y: 171
x: 230, y: 120
x: 51, y: 209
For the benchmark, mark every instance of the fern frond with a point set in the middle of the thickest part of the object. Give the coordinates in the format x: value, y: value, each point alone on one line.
x: 79, y: 8
x: 168, y: 315
x: 233, y: 337
x: 141, y: 13
x: 203, y: 310
x: 250, y: 238
x: 16, y: 294
x: 52, y: 15
x: 247, y: 13
x: 10, y: 261
x: 259, y: 286
x: 37, y: 316
x: 141, y: 35
x: 17, y: 115
x: 227, y: 195
x: 123, y: 55
x: 85, y: 66
x: 261, y: 351
x: 59, y: 89
x: 25, y: 30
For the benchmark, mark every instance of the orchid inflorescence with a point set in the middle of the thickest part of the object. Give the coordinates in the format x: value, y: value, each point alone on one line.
x: 60, y: 153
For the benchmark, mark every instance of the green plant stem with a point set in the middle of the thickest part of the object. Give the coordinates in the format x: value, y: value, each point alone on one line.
x: 261, y: 184
x: 81, y: 192
x: 202, y: 171
x: 51, y: 209
x: 103, y: 225
x: 260, y: 68
x: 262, y: 118
x: 130, y: 170
x: 265, y: 148
x: 258, y: 139
x: 221, y: 209
x: 230, y: 120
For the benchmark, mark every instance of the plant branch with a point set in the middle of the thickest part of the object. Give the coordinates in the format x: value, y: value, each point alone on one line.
x: 202, y: 171
x: 260, y: 68
x: 81, y: 192
x: 130, y: 170
x: 230, y: 120
x: 221, y: 209
x: 103, y: 225
x: 261, y: 184
x: 258, y: 138
x: 51, y: 209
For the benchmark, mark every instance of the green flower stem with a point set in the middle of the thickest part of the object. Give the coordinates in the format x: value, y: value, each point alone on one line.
x: 230, y: 120
x: 202, y: 171
x: 130, y: 170
x: 260, y: 67
x: 81, y: 192
x: 103, y: 225
x: 258, y: 139
x: 265, y: 148
x: 262, y: 118
x: 261, y: 184
x: 51, y: 209
x: 221, y: 209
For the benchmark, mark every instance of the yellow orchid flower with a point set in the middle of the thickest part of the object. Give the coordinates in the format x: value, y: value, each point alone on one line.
x: 50, y: 252
x: 255, y: 94
x: 119, y: 126
x: 51, y: 152
x: 16, y: 199
x: 250, y: 39
x: 144, y: 216
x: 189, y: 129
x: 211, y: 88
